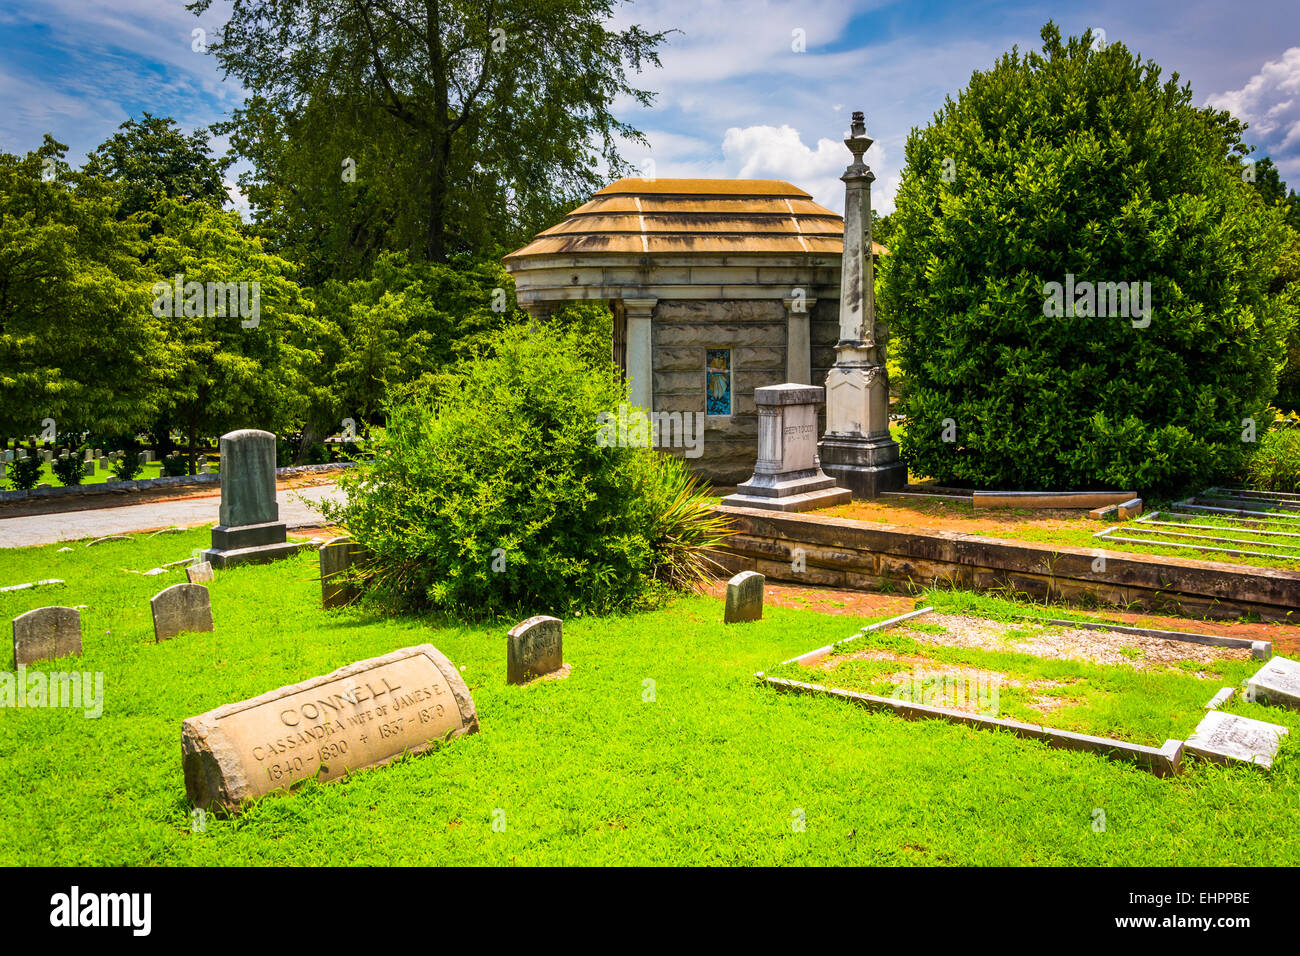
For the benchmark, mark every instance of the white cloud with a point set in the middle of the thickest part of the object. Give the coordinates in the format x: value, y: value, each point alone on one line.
x: 1270, y: 103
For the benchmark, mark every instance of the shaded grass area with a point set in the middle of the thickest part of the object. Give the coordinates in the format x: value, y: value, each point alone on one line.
x: 659, y: 749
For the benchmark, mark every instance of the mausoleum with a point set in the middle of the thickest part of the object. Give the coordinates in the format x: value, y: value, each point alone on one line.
x: 717, y: 286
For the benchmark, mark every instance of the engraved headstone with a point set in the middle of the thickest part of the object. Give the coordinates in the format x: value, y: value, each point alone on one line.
x: 787, y: 474
x: 46, y: 633
x: 744, y: 598
x: 362, y: 715
x: 181, y: 608
x: 534, y: 648
x: 249, y: 530
x: 200, y: 573
x: 1223, y: 738
x: 337, y: 555
x: 1276, y: 683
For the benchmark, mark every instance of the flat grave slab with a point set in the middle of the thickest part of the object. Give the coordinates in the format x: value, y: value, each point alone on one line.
x: 1225, y: 738
x: 1276, y: 683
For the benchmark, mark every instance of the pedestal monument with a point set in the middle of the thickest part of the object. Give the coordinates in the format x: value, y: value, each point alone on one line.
x: 856, y: 450
x: 787, y: 474
x: 249, y: 529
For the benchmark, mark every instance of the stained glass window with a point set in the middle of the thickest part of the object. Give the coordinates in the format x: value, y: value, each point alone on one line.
x: 717, y: 367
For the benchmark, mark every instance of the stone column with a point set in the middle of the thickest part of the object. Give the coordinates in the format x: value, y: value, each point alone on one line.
x: 640, y: 352
x: 798, y: 354
x: 856, y: 449
x: 787, y: 474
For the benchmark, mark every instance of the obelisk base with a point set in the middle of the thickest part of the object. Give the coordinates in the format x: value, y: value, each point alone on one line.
x: 250, y: 544
x: 865, y: 466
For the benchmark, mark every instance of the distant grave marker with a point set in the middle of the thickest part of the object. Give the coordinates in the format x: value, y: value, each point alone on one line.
x: 337, y: 555
x: 744, y: 598
x: 200, y: 573
x: 534, y: 648
x: 46, y: 633
x: 179, y: 609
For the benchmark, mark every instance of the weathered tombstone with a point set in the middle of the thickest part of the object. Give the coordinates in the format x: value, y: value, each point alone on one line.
x: 46, y: 633
x: 788, y: 474
x: 744, y: 598
x: 1277, y: 683
x: 200, y: 573
x: 534, y: 648
x: 337, y: 556
x: 88, y: 469
x: 361, y: 715
x: 1223, y: 738
x: 181, y: 608
x: 249, y: 530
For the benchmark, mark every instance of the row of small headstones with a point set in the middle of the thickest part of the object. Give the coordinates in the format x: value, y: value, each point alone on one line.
x: 93, y: 458
x: 51, y: 632
x: 534, y: 648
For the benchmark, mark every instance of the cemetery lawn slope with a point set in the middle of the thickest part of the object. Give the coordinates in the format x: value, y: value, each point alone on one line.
x: 659, y: 748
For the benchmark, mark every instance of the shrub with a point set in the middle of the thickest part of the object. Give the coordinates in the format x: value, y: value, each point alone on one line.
x: 24, y: 473
x: 175, y: 465
x: 489, y: 493
x: 127, y: 466
x: 69, y: 470
x: 1080, y: 162
x: 1275, y: 466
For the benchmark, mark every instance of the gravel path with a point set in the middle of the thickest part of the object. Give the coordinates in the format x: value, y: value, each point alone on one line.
x: 183, y: 512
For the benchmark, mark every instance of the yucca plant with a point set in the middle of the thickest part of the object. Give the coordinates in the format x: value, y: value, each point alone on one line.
x: 687, y: 528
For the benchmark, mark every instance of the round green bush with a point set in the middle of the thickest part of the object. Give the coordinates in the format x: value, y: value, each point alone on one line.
x: 70, y: 470
x: 490, y: 492
x: 1080, y: 165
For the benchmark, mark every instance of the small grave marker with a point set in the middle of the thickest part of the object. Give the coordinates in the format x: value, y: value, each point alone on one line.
x: 534, y: 648
x: 337, y: 555
x: 1276, y: 683
x: 200, y: 573
x: 181, y: 608
x: 46, y: 633
x: 744, y: 598
x: 1223, y: 738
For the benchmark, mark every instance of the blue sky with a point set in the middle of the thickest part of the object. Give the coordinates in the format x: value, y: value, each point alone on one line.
x: 735, y: 99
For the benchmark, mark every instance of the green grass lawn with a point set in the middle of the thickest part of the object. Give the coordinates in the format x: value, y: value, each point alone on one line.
x: 151, y: 470
x: 659, y: 749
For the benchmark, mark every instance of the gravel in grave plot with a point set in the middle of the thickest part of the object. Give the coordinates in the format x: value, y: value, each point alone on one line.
x: 1055, y: 641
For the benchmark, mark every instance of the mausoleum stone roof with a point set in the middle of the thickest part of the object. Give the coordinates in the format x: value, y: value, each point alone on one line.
x: 710, y: 217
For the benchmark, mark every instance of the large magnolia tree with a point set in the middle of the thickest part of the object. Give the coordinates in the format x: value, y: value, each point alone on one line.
x: 1049, y: 180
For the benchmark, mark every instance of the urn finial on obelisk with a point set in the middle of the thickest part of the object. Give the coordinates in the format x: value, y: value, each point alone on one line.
x: 856, y: 449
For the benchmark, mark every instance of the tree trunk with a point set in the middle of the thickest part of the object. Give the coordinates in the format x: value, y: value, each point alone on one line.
x: 435, y: 243
x: 192, y: 433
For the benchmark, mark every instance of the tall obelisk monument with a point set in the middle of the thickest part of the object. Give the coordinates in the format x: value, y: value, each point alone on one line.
x: 856, y: 450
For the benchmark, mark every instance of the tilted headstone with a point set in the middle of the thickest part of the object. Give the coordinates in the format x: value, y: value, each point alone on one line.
x: 249, y: 530
x: 200, y: 573
x: 337, y: 556
x: 179, y: 609
x: 362, y: 715
x: 1223, y: 738
x: 46, y: 633
x: 534, y: 648
x: 1276, y: 683
x: 788, y: 474
x: 744, y: 598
